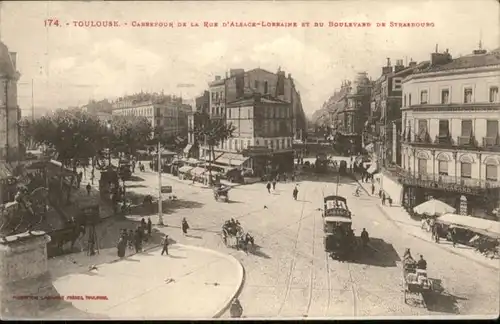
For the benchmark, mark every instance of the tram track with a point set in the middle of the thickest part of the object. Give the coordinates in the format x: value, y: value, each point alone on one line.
x: 311, y: 278
x: 292, y: 263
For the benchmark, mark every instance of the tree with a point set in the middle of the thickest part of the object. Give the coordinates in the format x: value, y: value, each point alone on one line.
x: 211, y: 132
x: 127, y: 135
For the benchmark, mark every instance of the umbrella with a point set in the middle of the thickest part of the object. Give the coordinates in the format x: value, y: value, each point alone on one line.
x: 433, y: 207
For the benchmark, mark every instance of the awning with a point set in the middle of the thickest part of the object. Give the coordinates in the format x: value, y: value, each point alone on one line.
x: 232, y: 159
x: 198, y: 171
x: 373, y: 168
x: 192, y: 161
x: 479, y: 225
x: 188, y: 148
x: 185, y: 169
x: 433, y: 207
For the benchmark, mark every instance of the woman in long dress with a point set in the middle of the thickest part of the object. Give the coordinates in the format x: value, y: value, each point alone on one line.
x: 122, y: 245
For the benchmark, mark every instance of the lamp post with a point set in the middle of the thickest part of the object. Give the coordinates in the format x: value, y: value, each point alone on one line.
x: 160, y: 201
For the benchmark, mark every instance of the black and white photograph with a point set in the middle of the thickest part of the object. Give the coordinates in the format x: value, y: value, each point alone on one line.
x: 249, y: 160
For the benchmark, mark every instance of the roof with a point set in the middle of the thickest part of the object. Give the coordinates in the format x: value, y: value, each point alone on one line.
x: 466, y: 62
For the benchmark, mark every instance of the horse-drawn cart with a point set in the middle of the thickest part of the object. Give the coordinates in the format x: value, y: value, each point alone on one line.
x: 233, y: 236
x: 415, y: 282
x: 221, y: 193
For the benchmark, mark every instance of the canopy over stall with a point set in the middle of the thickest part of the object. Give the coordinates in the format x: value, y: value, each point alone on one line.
x: 475, y: 224
x: 433, y: 207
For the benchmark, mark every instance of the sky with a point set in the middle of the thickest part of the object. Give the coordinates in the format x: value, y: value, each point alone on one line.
x: 69, y: 65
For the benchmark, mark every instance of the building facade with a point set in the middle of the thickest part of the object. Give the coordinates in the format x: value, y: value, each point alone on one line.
x: 202, y: 103
x: 165, y: 111
x: 10, y: 114
x: 451, y: 140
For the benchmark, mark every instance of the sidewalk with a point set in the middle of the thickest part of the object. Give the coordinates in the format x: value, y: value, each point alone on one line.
x: 190, y: 282
x: 402, y: 219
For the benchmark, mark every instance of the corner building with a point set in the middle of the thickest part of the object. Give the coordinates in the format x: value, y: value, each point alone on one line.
x: 451, y: 140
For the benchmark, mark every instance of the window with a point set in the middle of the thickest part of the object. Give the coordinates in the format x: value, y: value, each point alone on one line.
x: 443, y: 167
x: 282, y: 143
x: 216, y: 96
x: 467, y: 128
x: 289, y: 142
x: 404, y: 101
x: 271, y: 142
x: 274, y: 112
x: 443, y: 128
x: 409, y: 99
x: 423, y: 97
x: 492, y: 128
x: 236, y: 145
x: 265, y: 143
x: 397, y: 84
x: 422, y: 166
x: 249, y: 113
x: 229, y: 113
x: 256, y: 84
x: 491, y: 172
x: 248, y: 143
x: 493, y: 94
x: 465, y: 170
x: 213, y: 111
x: 422, y: 129
x: 277, y: 144
x: 467, y: 95
x: 213, y: 95
x: 445, y: 96
x: 257, y: 142
x: 265, y: 87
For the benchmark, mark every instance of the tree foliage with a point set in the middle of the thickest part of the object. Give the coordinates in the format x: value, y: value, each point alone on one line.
x: 126, y: 134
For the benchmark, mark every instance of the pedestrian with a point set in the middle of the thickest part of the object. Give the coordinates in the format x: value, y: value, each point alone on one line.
x: 380, y: 193
x: 89, y: 188
x: 422, y: 264
x: 268, y: 186
x: 79, y: 177
x: 383, y: 198
x: 143, y: 224
x: 130, y: 239
x: 185, y: 226
x: 274, y: 184
x: 390, y: 201
x: 137, y: 241
x: 373, y: 189
x: 453, y: 234
x: 150, y: 226
x: 165, y: 245
x: 295, y: 192
x: 121, y: 246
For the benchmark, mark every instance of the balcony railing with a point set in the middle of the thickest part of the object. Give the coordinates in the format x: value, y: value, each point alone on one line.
x: 491, y: 141
x: 449, y: 183
x: 464, y: 140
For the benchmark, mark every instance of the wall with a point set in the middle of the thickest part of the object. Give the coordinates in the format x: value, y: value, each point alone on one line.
x: 24, y: 272
x: 392, y: 189
x: 480, y: 82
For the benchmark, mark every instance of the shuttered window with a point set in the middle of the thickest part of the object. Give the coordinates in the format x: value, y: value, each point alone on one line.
x: 422, y: 128
x: 466, y: 170
x: 492, y: 128
x: 492, y: 172
x: 422, y: 166
x: 466, y: 128
x: 443, y: 128
x: 443, y: 167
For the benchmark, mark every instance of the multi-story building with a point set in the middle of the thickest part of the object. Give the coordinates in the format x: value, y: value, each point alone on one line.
x: 165, y: 111
x: 202, y: 103
x: 10, y: 114
x: 384, y: 122
x: 195, y: 120
x: 451, y: 140
x: 240, y: 89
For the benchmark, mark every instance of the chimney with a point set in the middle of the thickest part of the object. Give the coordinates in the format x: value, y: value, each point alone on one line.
x: 217, y: 78
x: 413, y: 64
x: 13, y: 57
x: 399, y: 66
x: 440, y: 58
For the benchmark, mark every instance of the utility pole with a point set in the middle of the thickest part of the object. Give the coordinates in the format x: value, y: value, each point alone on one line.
x: 160, y: 201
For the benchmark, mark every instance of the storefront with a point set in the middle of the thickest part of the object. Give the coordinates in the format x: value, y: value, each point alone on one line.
x: 266, y: 161
x: 475, y: 201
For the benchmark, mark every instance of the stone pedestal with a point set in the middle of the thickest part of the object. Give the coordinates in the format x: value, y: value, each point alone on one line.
x: 25, y: 284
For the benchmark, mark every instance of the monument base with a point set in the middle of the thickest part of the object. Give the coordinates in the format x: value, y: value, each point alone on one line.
x: 26, y: 287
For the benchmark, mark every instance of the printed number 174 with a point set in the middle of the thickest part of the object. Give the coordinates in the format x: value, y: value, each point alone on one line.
x: 51, y: 22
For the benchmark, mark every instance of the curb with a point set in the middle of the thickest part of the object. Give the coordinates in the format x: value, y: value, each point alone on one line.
x: 241, y: 274
x: 439, y: 246
x: 422, y: 239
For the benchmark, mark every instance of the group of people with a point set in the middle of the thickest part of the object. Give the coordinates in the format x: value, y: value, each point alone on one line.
x: 134, y: 239
x: 409, y: 262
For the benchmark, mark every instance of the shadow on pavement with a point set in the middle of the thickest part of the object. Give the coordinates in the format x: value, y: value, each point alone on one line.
x: 134, y: 178
x: 168, y: 205
x: 442, y: 302
x: 257, y: 251
x: 194, y: 236
x: 378, y: 254
x: 135, y: 186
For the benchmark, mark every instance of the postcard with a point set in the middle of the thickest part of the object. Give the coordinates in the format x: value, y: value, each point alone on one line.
x: 186, y: 160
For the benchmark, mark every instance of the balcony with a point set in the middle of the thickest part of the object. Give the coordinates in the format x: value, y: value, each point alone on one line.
x: 489, y: 144
x: 447, y: 183
x: 491, y: 141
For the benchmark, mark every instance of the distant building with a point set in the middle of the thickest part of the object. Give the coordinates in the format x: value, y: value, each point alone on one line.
x: 202, y: 103
x: 10, y: 114
x: 451, y: 139
x: 165, y: 111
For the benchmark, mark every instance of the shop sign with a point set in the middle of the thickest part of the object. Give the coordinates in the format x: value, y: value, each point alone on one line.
x: 450, y: 187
